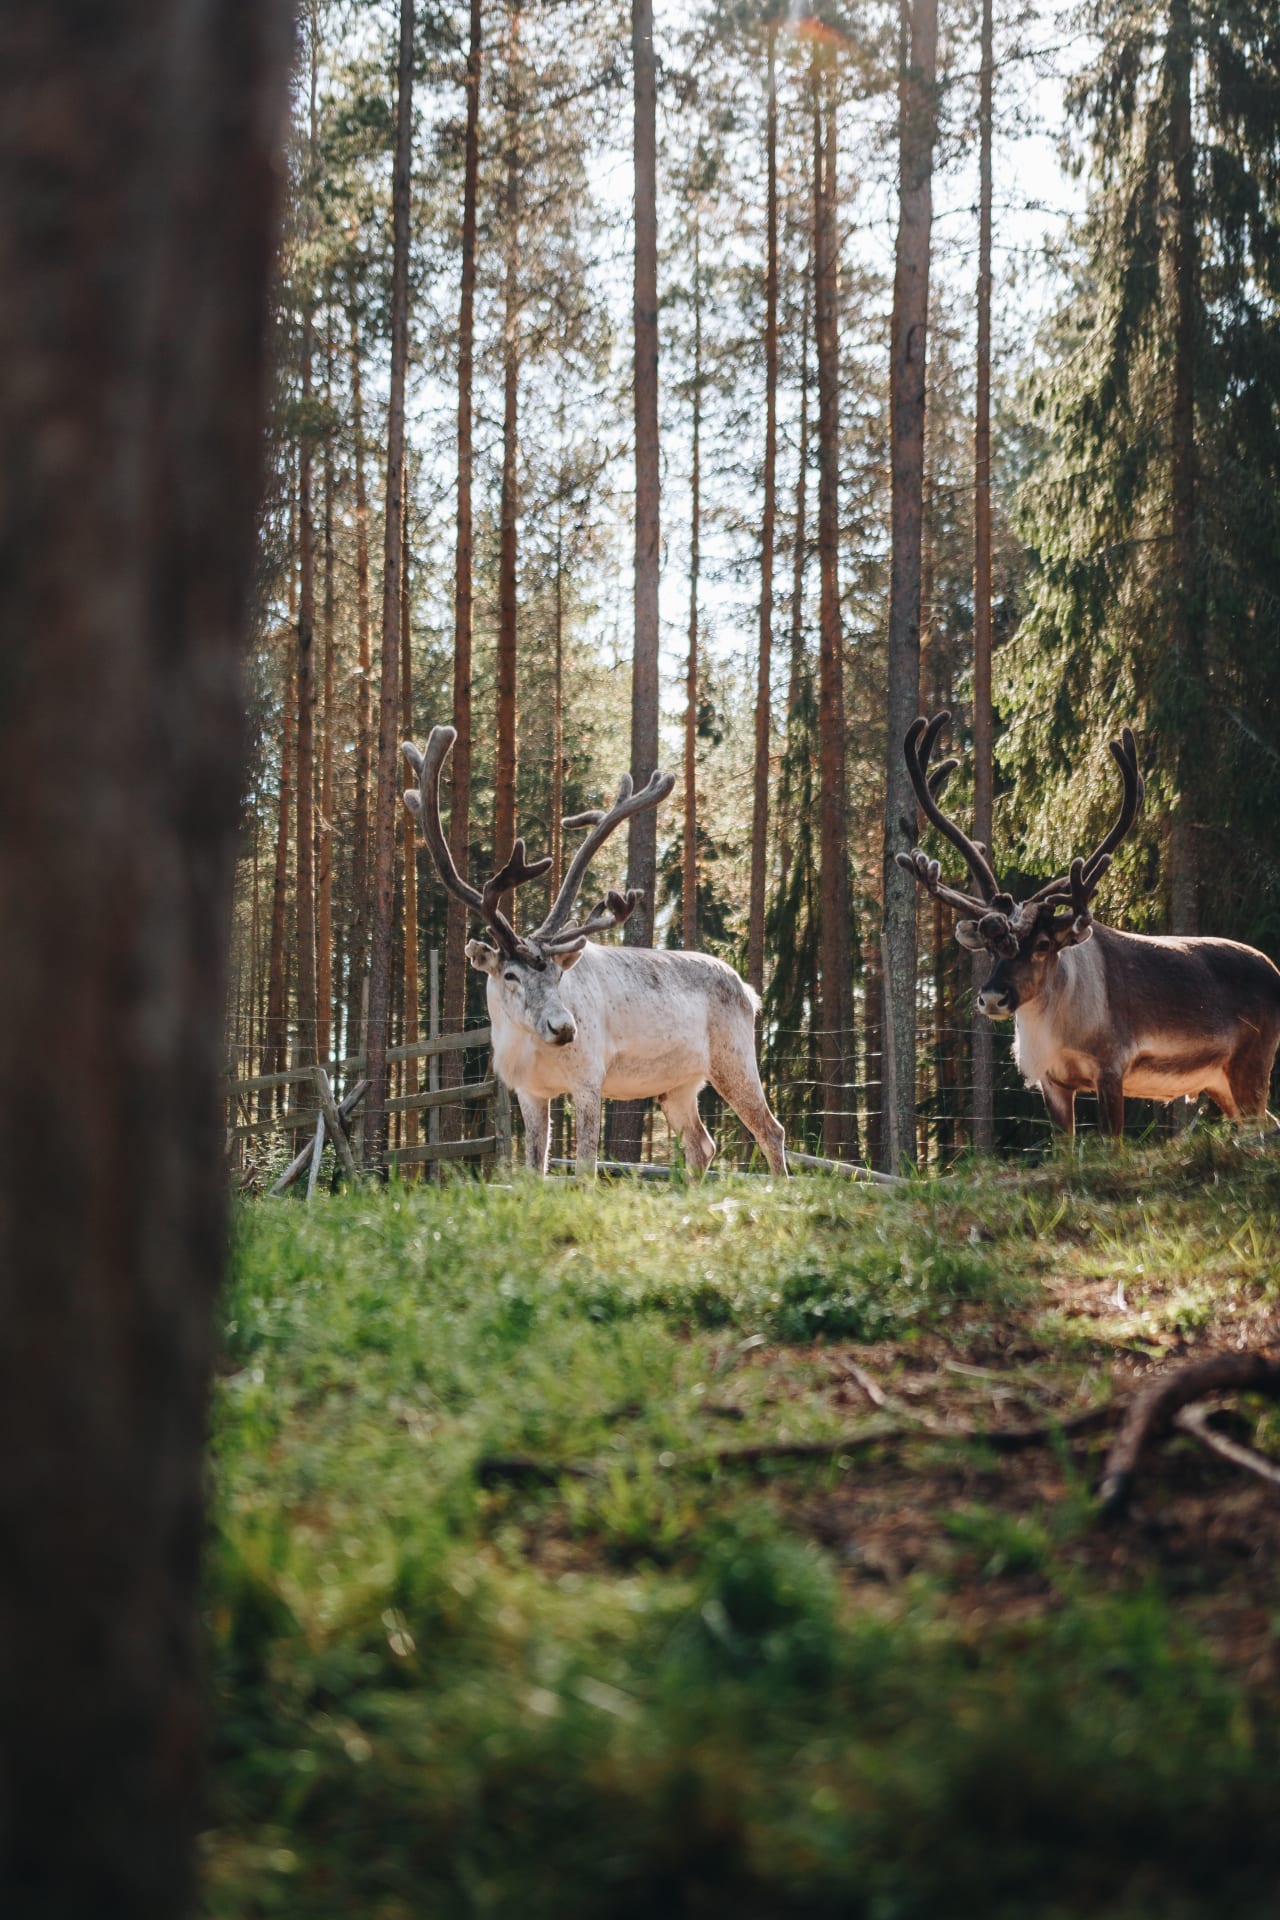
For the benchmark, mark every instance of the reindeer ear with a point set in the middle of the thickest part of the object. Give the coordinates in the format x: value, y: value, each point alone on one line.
x: 570, y: 957
x: 483, y: 957
x: 968, y: 936
x: 1075, y: 935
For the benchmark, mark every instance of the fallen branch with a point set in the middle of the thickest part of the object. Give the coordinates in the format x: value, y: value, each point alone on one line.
x: 868, y: 1175
x: 1195, y: 1421
x: 494, y: 1470
x: 346, y: 1107
x: 1153, y: 1410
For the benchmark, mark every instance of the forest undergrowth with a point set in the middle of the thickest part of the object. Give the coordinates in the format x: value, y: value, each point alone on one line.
x: 500, y: 1627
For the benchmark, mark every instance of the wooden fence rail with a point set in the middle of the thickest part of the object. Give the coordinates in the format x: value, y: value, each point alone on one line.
x: 323, y: 1116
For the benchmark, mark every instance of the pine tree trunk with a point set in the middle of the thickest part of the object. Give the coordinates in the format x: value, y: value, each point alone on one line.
x: 455, y: 960
x: 799, y: 557
x: 764, y: 664
x: 504, y: 822
x: 277, y: 1011
x: 689, y: 865
x: 359, y: 954
x: 324, y: 842
x: 304, y: 838
x: 557, y: 703
x: 983, y: 729
x: 917, y: 122
x: 387, y: 805
x: 626, y: 1131
x: 412, y: 1012
x: 839, y: 1125
x: 1185, y: 646
x: 138, y: 182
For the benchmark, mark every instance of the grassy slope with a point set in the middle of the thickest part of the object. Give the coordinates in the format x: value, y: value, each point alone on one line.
x: 916, y: 1681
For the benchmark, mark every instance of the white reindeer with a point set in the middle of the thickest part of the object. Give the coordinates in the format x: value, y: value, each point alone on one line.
x: 626, y: 1022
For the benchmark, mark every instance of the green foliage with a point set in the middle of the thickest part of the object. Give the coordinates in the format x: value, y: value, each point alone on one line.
x: 1131, y: 620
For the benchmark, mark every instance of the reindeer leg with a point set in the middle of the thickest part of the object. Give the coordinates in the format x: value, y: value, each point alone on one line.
x: 1061, y: 1103
x: 537, y: 1130
x: 736, y: 1078
x: 1110, y: 1091
x: 681, y: 1109
x: 586, y: 1113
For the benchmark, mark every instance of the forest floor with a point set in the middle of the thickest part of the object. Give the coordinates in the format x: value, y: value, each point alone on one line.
x: 500, y: 1626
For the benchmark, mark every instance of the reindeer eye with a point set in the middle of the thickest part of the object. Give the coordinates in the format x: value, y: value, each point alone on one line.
x: 512, y: 977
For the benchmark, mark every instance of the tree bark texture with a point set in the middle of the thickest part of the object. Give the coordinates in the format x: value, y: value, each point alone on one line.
x: 387, y: 800
x: 455, y: 959
x: 277, y: 1008
x: 839, y: 1120
x: 409, y: 832
x: 768, y: 517
x: 359, y: 957
x: 305, y: 836
x: 983, y: 731
x: 689, y: 867
x: 326, y: 1010
x: 642, y: 846
x: 139, y: 183
x: 504, y: 819
x: 917, y: 121
x: 1186, y: 652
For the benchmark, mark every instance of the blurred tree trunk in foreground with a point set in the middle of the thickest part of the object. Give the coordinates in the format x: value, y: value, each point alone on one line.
x: 137, y: 194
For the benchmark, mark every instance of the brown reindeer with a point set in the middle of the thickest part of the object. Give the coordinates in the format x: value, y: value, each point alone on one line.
x: 1096, y: 1010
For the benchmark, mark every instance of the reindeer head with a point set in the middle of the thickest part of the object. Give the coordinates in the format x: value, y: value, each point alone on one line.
x: 525, y: 971
x: 1024, y: 938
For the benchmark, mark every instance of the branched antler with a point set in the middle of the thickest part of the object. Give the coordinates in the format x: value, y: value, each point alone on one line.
x: 424, y: 805
x: 555, y: 935
x: 918, y: 747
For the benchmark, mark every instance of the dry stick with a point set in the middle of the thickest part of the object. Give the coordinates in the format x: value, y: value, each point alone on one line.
x: 521, y: 1470
x: 1152, y: 1410
x: 317, y: 1152
x: 333, y: 1119
x: 868, y: 1175
x: 291, y: 1172
x: 1195, y: 1421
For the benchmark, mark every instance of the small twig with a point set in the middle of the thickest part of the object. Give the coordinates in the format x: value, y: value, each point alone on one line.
x: 1152, y: 1410
x: 1195, y: 1421
x: 870, y: 1386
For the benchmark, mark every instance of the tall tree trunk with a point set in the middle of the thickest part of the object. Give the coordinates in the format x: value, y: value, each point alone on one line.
x: 799, y: 557
x: 388, y: 793
x: 455, y: 959
x: 839, y: 1123
x: 983, y: 737
x: 277, y: 1008
x: 138, y: 181
x: 359, y: 955
x: 1186, y: 651
x: 557, y: 695
x: 689, y: 866
x: 305, y: 876
x: 504, y: 818
x: 411, y: 993
x: 764, y: 664
x: 642, y: 851
x: 324, y: 842
x: 917, y: 121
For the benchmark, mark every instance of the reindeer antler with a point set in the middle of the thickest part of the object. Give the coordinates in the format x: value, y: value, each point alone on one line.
x: 1067, y: 888
x: 555, y: 935
x: 424, y: 805
x: 921, y: 739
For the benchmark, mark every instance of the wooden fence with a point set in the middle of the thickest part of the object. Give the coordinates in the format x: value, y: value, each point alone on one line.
x: 317, y: 1113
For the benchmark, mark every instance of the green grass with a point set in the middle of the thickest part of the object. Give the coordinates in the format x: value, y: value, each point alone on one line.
x: 913, y: 1682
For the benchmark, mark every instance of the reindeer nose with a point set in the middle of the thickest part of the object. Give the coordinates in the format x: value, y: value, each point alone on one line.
x: 563, y: 1031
